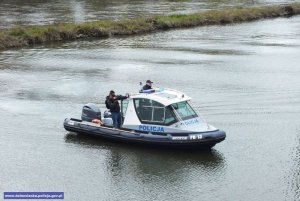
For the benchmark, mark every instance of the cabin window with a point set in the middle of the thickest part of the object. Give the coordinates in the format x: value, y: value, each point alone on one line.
x: 169, y: 116
x: 152, y: 112
x: 184, y: 110
x: 124, y: 107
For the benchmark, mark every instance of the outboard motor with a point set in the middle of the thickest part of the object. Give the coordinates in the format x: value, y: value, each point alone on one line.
x: 90, y: 111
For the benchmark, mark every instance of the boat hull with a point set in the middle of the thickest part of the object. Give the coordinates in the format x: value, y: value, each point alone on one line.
x: 203, y: 140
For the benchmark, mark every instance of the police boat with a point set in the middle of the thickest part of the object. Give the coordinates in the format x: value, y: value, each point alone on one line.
x: 160, y: 117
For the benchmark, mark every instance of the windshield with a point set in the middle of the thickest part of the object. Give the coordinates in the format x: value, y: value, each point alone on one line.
x: 184, y: 110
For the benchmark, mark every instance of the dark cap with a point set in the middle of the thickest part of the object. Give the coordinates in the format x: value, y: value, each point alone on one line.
x: 149, y: 81
x: 111, y: 92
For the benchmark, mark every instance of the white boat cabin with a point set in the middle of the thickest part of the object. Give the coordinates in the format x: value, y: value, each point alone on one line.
x: 162, y: 111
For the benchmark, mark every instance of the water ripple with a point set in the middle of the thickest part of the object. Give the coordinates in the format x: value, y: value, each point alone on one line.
x: 292, y: 191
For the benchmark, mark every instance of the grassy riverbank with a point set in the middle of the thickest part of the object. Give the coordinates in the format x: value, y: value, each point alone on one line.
x: 30, y: 35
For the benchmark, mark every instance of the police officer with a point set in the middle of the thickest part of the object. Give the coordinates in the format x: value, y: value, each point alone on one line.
x: 113, y: 105
x: 148, y: 85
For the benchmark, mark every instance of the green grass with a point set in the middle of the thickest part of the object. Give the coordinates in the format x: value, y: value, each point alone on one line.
x: 29, y: 35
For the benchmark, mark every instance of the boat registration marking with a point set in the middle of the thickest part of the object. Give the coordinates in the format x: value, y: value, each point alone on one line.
x: 180, y: 138
x: 196, y: 137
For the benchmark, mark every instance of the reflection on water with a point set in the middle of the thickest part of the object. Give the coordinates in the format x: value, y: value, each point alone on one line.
x: 151, y: 159
x: 19, y: 12
x: 149, y: 166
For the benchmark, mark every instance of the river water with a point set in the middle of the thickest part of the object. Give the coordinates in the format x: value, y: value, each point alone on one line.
x: 243, y: 77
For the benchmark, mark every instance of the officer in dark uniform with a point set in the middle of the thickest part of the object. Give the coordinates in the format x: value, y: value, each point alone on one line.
x: 113, y: 105
x: 148, y: 85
